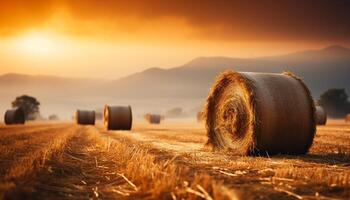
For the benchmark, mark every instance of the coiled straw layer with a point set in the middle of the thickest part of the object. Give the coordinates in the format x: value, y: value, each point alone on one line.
x: 260, y: 113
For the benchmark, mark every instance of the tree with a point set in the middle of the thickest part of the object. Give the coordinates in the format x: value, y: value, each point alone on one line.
x: 29, y: 105
x: 335, y: 102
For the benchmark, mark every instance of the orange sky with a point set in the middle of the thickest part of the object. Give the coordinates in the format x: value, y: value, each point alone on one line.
x: 87, y: 38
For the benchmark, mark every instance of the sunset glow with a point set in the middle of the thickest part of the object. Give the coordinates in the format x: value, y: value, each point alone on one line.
x: 37, y: 44
x: 121, y: 38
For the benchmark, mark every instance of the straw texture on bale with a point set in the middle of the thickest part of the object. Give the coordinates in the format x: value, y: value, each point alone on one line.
x: 321, y: 116
x: 260, y: 113
x: 14, y: 116
x: 85, y: 117
x: 153, y: 118
x: 347, y: 118
x: 118, y: 117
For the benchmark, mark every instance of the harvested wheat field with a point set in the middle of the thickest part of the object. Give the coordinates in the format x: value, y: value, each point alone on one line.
x: 167, y: 161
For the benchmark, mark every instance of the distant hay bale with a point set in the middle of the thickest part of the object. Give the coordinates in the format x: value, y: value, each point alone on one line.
x: 85, y: 117
x: 14, y: 116
x: 347, y: 118
x: 176, y: 112
x: 200, y: 116
x: 98, y: 115
x: 53, y: 117
x: 260, y: 113
x: 118, y: 117
x: 153, y: 118
x: 321, y: 116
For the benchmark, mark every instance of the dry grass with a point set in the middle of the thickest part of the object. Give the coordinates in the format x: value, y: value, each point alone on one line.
x: 25, y: 152
x: 24, y: 155
x: 92, y: 166
x: 167, y: 162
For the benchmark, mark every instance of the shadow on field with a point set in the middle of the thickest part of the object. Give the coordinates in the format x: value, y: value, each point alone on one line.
x: 329, y: 158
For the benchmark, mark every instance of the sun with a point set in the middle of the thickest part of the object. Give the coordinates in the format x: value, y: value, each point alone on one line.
x: 37, y: 43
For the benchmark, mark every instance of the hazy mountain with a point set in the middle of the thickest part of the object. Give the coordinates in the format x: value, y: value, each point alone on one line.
x: 56, y: 94
x: 156, y: 89
x: 321, y: 70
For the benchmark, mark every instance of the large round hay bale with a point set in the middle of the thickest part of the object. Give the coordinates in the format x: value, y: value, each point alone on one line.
x: 153, y: 118
x: 85, y: 117
x: 260, y: 113
x: 118, y: 117
x: 14, y: 116
x: 347, y: 118
x: 321, y: 116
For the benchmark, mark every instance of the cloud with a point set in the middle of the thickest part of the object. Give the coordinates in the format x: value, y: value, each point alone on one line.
x: 19, y: 15
x: 236, y: 20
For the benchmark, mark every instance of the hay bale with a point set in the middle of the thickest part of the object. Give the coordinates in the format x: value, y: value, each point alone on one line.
x: 321, y: 116
x: 98, y: 115
x: 53, y: 117
x: 200, y: 116
x: 259, y: 113
x: 85, y: 117
x: 347, y: 118
x: 153, y: 118
x: 118, y: 117
x: 14, y: 116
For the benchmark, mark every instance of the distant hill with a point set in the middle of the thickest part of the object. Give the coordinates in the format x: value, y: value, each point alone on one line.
x: 57, y: 95
x: 321, y: 70
x: 157, y: 89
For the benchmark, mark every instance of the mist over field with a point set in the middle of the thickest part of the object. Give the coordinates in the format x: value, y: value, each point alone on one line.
x: 158, y: 90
